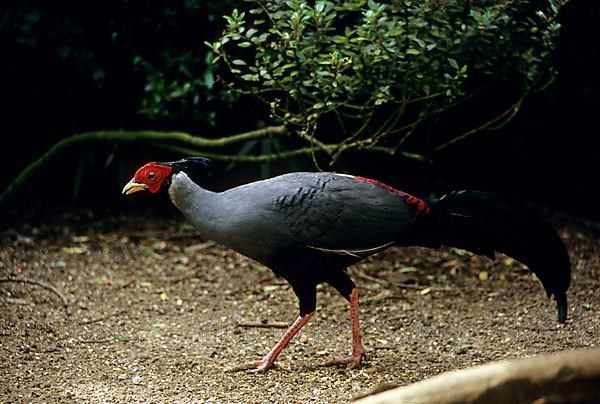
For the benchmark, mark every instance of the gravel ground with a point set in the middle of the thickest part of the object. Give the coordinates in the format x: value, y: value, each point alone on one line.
x: 156, y: 314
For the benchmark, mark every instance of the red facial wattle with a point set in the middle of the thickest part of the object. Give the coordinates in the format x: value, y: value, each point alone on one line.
x: 153, y: 175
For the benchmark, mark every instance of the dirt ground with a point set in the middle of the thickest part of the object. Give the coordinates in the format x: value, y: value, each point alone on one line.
x: 155, y: 314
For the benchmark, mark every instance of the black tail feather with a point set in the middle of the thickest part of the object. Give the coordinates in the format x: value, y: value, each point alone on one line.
x: 482, y: 223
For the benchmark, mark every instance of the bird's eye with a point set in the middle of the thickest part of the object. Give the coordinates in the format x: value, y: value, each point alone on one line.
x: 151, y: 176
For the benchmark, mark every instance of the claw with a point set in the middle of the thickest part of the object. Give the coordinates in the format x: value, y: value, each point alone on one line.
x: 254, y: 367
x: 352, y: 362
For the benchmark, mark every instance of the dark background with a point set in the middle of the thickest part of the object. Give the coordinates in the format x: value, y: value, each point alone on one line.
x: 548, y: 155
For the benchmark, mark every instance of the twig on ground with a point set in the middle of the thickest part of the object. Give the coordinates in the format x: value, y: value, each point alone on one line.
x: 128, y: 284
x: 263, y: 325
x: 371, y: 278
x: 95, y: 341
x: 43, y: 284
x: 160, y: 236
x: 409, y: 286
x: 385, y: 282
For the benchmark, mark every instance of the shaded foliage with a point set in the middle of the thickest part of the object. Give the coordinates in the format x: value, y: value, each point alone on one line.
x: 381, y: 70
x: 151, y: 51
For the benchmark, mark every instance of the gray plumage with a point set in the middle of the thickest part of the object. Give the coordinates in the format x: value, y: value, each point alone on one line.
x: 323, y: 211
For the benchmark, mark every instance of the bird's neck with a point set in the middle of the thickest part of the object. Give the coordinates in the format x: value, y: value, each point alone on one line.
x: 200, y: 206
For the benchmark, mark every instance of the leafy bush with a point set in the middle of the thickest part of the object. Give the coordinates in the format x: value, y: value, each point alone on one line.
x: 148, y: 55
x: 381, y: 70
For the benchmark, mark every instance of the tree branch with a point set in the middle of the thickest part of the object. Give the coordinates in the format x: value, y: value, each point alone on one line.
x: 129, y: 137
x: 186, y: 151
x: 508, y: 114
x: 568, y: 376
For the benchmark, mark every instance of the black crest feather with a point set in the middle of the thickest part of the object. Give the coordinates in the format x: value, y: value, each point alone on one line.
x: 197, y: 168
x: 191, y: 165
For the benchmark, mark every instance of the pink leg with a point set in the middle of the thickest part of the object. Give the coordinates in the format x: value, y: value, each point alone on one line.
x: 358, y: 352
x: 266, y: 362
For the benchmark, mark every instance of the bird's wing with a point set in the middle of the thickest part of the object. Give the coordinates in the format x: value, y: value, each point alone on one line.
x: 337, y: 213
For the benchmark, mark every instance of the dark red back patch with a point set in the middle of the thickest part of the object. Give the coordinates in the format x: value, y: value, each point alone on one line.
x: 420, y: 205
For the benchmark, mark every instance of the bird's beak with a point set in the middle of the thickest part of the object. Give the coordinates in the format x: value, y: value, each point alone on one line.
x: 133, y: 186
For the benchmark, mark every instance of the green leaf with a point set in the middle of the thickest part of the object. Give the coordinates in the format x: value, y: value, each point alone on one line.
x: 213, y: 45
x: 244, y: 44
x: 208, y: 79
x: 319, y: 6
x: 239, y: 62
x: 119, y: 338
x: 453, y: 63
x: 413, y: 51
x: 250, y: 77
x: 463, y: 349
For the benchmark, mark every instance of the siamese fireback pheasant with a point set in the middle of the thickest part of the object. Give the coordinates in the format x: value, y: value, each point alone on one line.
x: 308, y: 227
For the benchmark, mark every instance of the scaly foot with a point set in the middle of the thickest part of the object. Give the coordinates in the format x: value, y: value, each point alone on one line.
x: 260, y: 366
x: 353, y: 361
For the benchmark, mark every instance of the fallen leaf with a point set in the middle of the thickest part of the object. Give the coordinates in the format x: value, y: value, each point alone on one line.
x: 379, y: 297
x: 423, y: 292
x: 450, y: 263
x: 164, y: 297
x: 160, y: 245
x: 270, y: 288
x: 158, y: 325
x: 463, y: 349
x: 74, y: 250
x: 483, y: 276
x: 198, y: 247
x: 460, y: 252
x: 407, y: 270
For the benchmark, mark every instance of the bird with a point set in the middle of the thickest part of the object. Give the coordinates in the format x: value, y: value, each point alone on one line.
x: 309, y: 227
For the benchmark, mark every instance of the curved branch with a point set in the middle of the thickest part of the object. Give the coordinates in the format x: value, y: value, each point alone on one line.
x: 128, y: 137
x: 507, y: 115
x: 327, y: 148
